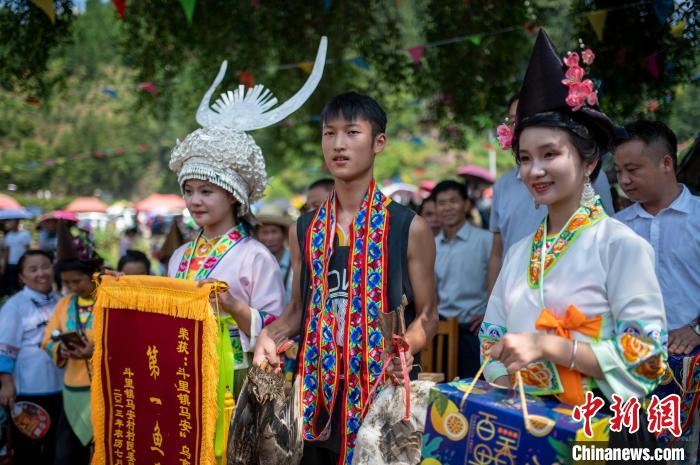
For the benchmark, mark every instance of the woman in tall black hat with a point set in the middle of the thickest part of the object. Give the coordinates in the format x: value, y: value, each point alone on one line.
x: 577, y: 306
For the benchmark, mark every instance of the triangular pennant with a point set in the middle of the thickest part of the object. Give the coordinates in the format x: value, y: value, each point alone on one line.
x: 662, y: 8
x: 47, y: 7
x: 120, y: 5
x: 416, y: 53
x: 475, y: 39
x: 148, y: 87
x: 359, y: 62
x: 597, y: 19
x: 678, y: 29
x: 651, y: 64
x: 246, y: 78
x: 188, y: 6
x: 327, y: 4
x: 307, y: 66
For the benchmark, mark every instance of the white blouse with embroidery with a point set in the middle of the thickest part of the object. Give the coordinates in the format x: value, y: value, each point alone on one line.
x: 605, y: 270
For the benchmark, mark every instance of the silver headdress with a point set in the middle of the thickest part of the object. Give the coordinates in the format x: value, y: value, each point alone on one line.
x: 221, y: 152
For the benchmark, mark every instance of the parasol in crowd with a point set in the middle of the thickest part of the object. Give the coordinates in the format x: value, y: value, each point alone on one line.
x: 87, y: 205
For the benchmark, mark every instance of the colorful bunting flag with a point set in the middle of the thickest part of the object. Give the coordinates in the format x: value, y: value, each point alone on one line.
x: 188, y: 6
x: 416, y: 53
x: 307, y: 66
x: 47, y: 7
x: 245, y: 78
x: 475, y: 39
x: 148, y: 87
x: 597, y: 19
x: 678, y: 29
x: 359, y: 62
x: 327, y: 4
x: 110, y: 91
x: 651, y: 64
x: 120, y: 5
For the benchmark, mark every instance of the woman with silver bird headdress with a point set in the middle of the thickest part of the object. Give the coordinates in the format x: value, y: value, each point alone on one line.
x: 221, y: 172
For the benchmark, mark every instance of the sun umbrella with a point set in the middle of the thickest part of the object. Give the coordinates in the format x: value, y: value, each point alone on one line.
x: 476, y: 172
x: 161, y: 203
x: 58, y: 215
x: 87, y: 205
x: 8, y: 203
x: 14, y: 214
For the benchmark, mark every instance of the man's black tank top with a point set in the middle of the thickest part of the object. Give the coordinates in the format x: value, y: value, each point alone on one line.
x: 398, y: 283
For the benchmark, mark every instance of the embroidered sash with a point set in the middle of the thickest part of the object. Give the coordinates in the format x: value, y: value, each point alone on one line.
x: 363, y: 341
x: 582, y: 219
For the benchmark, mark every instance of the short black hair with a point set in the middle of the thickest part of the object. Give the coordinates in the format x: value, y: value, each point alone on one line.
x: 429, y: 198
x: 653, y: 133
x: 324, y: 183
x: 450, y: 185
x: 134, y: 256
x: 353, y: 106
x: 86, y: 267
x: 33, y: 253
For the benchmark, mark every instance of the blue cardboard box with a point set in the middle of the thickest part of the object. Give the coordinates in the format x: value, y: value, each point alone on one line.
x: 489, y: 428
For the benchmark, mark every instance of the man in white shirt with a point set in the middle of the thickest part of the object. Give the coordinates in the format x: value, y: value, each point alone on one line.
x: 667, y: 215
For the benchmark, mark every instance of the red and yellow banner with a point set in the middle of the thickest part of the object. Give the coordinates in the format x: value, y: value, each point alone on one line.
x: 155, y: 372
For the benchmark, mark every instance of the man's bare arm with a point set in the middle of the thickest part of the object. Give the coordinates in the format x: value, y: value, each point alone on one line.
x: 288, y: 324
x: 495, y: 261
x: 421, y: 274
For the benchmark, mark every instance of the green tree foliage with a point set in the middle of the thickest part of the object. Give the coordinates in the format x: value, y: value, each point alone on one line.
x: 27, y: 38
x: 635, y: 34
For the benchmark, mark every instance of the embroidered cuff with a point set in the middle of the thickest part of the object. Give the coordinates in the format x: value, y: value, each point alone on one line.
x: 494, y: 370
x: 9, y: 351
x: 7, y: 364
x: 256, y: 325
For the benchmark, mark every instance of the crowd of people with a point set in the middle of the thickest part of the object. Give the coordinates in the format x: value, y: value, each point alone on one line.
x: 554, y: 280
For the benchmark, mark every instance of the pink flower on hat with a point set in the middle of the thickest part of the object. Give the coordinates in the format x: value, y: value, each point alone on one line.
x: 505, y: 136
x: 580, y: 91
x: 571, y: 59
x: 588, y: 56
x: 574, y: 74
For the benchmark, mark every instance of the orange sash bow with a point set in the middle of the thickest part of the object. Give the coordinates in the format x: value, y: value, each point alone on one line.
x: 573, y: 320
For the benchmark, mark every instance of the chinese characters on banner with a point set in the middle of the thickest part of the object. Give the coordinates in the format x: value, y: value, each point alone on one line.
x: 662, y: 414
x: 156, y: 401
x: 154, y: 386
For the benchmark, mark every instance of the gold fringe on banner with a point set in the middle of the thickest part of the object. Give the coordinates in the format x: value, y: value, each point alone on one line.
x: 165, y: 296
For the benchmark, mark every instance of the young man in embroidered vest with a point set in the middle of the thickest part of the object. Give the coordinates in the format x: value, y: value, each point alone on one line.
x: 77, y: 262
x: 357, y: 255
x: 577, y: 306
x: 667, y: 215
x: 460, y: 270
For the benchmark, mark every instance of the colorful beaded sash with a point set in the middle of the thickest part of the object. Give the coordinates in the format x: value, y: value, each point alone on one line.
x: 582, y: 219
x: 363, y: 339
